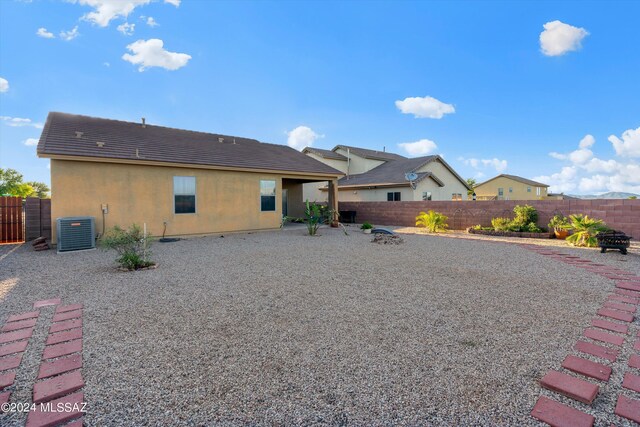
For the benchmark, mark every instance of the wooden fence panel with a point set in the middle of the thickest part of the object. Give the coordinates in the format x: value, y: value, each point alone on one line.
x: 37, y: 218
x: 11, y: 220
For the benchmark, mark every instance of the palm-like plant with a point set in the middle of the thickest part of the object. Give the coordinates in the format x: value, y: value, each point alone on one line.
x: 433, y: 221
x: 585, y: 230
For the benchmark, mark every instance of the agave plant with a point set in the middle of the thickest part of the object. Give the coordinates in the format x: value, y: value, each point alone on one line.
x: 585, y: 230
x: 433, y: 221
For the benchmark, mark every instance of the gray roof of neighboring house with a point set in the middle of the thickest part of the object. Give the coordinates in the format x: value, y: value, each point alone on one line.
x: 393, y: 172
x: 371, y: 154
x: 327, y: 154
x: 119, y: 140
x: 515, y: 178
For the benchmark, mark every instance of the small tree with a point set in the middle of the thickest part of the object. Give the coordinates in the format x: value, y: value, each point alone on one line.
x: 131, y: 245
x: 433, y: 221
x: 471, y: 182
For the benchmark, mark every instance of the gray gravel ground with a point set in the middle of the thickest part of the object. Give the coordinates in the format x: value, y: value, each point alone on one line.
x: 279, y: 328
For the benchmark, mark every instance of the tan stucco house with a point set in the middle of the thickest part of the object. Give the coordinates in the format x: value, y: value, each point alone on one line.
x: 371, y: 175
x: 510, y: 187
x: 193, y: 182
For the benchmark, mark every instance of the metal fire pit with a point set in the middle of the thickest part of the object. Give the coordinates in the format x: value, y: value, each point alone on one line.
x: 613, y: 240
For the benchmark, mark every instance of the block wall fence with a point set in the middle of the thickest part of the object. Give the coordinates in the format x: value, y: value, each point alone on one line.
x: 619, y: 214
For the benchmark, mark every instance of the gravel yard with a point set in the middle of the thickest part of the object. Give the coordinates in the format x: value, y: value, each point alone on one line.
x: 281, y: 328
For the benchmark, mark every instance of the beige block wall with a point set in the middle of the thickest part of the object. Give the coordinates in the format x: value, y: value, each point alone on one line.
x: 519, y: 192
x: 225, y: 200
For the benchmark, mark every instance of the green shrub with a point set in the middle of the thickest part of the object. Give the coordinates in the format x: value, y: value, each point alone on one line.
x: 585, y: 230
x: 433, y: 221
x: 477, y: 227
x: 559, y: 222
x: 131, y: 245
x: 501, y: 224
x: 532, y: 228
x: 366, y: 226
x: 525, y: 215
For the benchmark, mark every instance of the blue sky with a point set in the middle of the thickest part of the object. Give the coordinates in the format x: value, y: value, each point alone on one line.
x: 472, y: 81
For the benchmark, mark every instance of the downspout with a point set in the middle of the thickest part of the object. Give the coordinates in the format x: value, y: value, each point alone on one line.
x: 348, y: 162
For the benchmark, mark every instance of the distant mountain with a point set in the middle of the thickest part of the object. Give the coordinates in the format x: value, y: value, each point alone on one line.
x: 609, y: 195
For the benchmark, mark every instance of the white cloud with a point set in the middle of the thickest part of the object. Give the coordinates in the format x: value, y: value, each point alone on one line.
x: 427, y: 107
x: 497, y: 164
x: 419, y: 148
x: 106, y: 64
x: 176, y: 3
x: 19, y: 122
x: 42, y: 32
x: 629, y: 145
x: 107, y: 10
x: 302, y: 137
x: 69, y: 35
x: 4, y: 85
x: 126, y: 28
x: 559, y: 38
x: 31, y: 142
x: 150, y: 53
x: 152, y: 22
x: 589, y: 174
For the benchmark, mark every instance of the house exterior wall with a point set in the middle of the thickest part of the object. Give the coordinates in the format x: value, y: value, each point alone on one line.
x: 451, y: 183
x: 373, y: 195
x: 340, y: 165
x: 490, y: 189
x: 295, y: 205
x: 357, y: 164
x: 225, y: 200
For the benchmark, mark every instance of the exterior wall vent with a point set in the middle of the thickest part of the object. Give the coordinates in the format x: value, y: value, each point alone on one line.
x: 76, y: 233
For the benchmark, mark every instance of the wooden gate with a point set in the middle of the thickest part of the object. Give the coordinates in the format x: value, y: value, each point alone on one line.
x: 11, y: 220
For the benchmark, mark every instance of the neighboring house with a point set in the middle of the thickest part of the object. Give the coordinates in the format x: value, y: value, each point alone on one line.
x: 560, y: 196
x: 193, y: 182
x: 380, y: 176
x: 510, y: 187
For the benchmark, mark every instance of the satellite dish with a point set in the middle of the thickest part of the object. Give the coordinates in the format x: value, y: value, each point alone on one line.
x: 411, y: 176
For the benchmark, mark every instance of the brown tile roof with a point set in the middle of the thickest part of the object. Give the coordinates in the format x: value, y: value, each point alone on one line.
x: 82, y: 136
x: 515, y: 178
x: 371, y: 154
x: 327, y: 154
x: 393, y: 172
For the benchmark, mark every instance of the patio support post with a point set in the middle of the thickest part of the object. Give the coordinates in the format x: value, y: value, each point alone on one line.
x: 333, y: 201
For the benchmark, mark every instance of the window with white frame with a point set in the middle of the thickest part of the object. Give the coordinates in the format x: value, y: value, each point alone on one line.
x: 426, y: 195
x: 528, y: 189
x: 393, y: 196
x: 267, y: 195
x: 184, y: 194
x: 538, y: 191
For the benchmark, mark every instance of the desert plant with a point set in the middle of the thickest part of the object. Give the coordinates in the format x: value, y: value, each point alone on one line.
x: 314, y: 217
x: 501, y: 224
x: 132, y: 246
x: 559, y: 222
x: 525, y: 215
x: 433, y: 221
x: 366, y: 226
x: 585, y: 230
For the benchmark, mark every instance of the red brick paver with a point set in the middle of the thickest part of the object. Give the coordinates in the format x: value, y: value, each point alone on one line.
x: 627, y: 292
x: 15, y: 335
x: 38, y: 418
x: 4, y: 397
x: 65, y: 308
x: 625, y: 299
x: 15, y: 347
x: 614, y: 314
x: 634, y: 361
x: 636, y: 346
x: 10, y: 362
x: 632, y: 286
x: 558, y: 415
x: 628, y: 408
x: 55, y: 387
x: 67, y: 315
x: 631, y: 381
x: 610, y: 326
x: 60, y: 366
x: 575, y: 388
x: 47, y: 302
x: 68, y: 335
x: 7, y: 379
x: 63, y: 349
x: 23, y: 316
x: 622, y: 307
x: 597, y: 350
x: 22, y: 324
x: 597, y: 334
x: 67, y: 324
x: 587, y: 367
